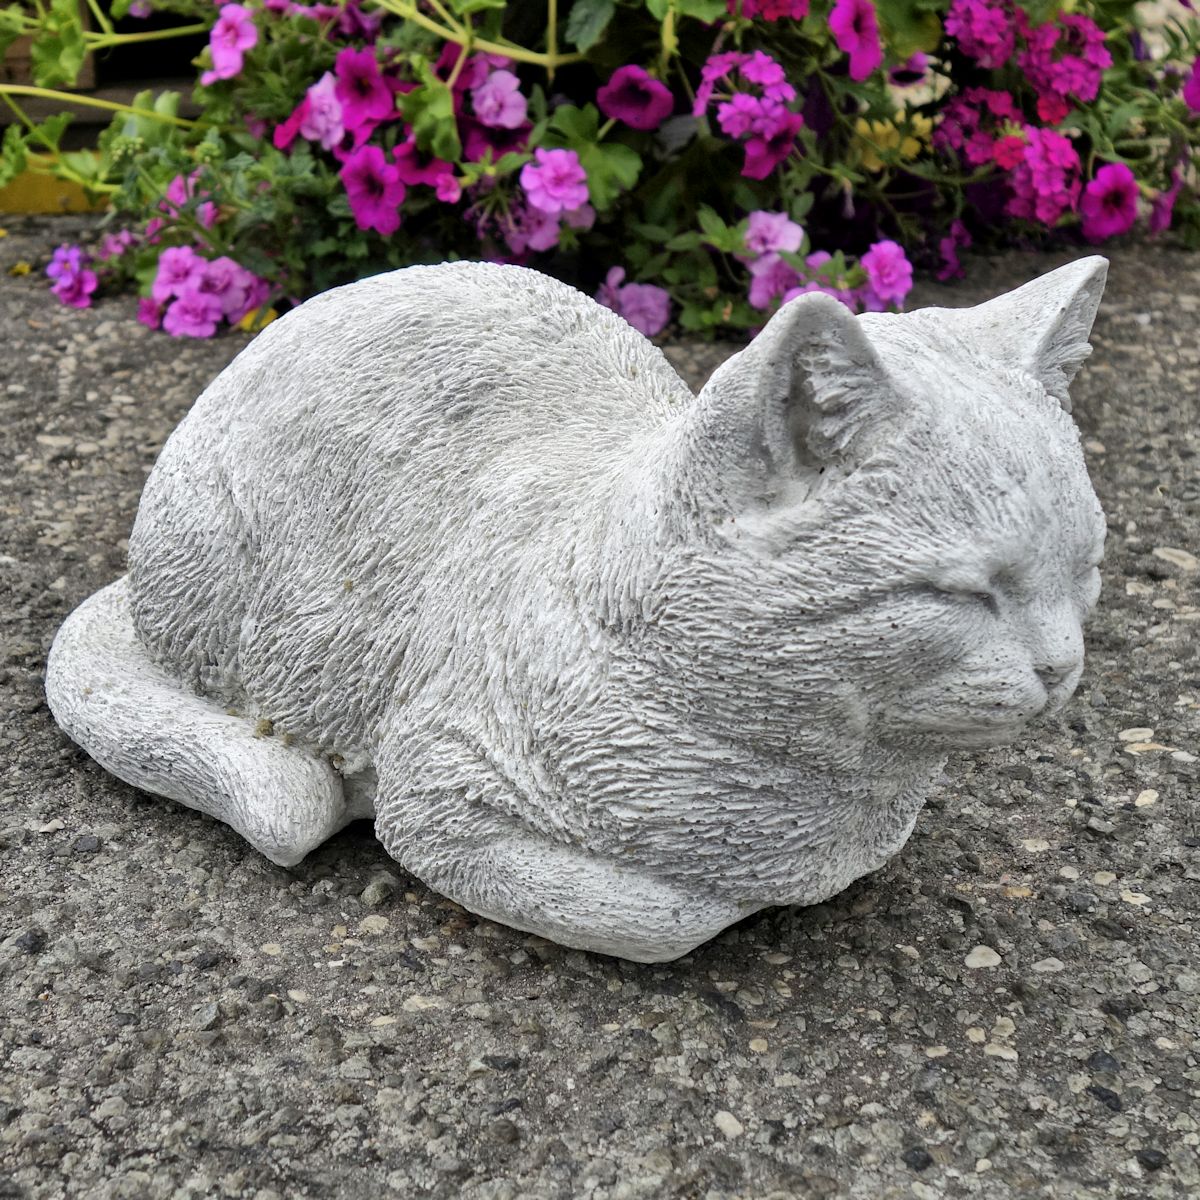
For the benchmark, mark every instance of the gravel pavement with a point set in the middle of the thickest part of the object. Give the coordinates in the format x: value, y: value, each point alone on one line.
x: 1010, y: 1008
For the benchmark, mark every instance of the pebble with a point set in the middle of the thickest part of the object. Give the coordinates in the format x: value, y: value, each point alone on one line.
x: 1146, y: 798
x: 1178, y: 558
x: 1139, y: 733
x: 374, y: 924
x: 982, y: 956
x: 1049, y: 966
x: 1036, y: 845
x: 728, y: 1124
x: 272, y: 949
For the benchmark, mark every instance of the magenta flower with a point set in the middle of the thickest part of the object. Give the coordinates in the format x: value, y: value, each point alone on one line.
x: 854, y: 28
x: 181, y: 191
x: 766, y: 150
x: 231, y: 284
x: 633, y: 97
x: 113, y: 245
x: 1191, y: 89
x: 1046, y: 184
x: 149, y: 312
x: 889, y: 273
x: 479, y: 140
x: 772, y: 231
x: 193, y: 314
x: 1109, y: 203
x: 73, y: 282
x: 556, y: 182
x: 179, y: 270
x: 415, y: 169
x: 1062, y: 59
x: 361, y: 90
x: 984, y: 30
x: 957, y: 239
x: 645, y: 307
x: 718, y: 67
x: 770, y: 277
x: 374, y: 190
x: 772, y: 10
x: 229, y: 39
x: 498, y: 101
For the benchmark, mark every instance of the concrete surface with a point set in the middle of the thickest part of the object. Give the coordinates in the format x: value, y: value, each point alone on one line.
x: 180, y: 1018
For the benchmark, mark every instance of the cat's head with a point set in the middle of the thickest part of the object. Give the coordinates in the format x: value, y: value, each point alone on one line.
x: 888, y: 533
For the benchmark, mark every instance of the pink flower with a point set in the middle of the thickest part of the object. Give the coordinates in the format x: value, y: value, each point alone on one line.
x: 765, y: 151
x: 113, y: 245
x: 645, y: 307
x: 365, y: 97
x: 1109, y: 204
x: 772, y: 10
x: 179, y: 270
x: 633, y: 97
x: 856, y: 32
x: 889, y: 273
x: 1046, y: 184
x: 770, y: 276
x: 498, y: 101
x: 229, y: 39
x: 556, y: 182
x: 983, y: 29
x: 479, y: 140
x: 181, y: 191
x: 772, y: 231
x: 193, y: 314
x: 1062, y: 59
x: 140, y: 9
x: 763, y: 70
x: 231, y: 284
x: 286, y: 134
x: 374, y: 190
x: 73, y: 282
x: 716, y: 68
x: 416, y: 169
x: 1191, y: 89
x: 322, y: 119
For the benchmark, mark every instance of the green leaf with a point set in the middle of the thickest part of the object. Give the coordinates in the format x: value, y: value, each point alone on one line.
x: 588, y: 21
x: 611, y: 169
x: 464, y: 8
x: 429, y: 109
x: 12, y: 24
x: 12, y: 155
x: 57, y: 52
x: 658, y: 8
x: 702, y: 10
x: 578, y: 126
x: 908, y: 26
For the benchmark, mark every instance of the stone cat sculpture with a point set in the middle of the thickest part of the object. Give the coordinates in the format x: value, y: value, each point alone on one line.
x: 455, y: 548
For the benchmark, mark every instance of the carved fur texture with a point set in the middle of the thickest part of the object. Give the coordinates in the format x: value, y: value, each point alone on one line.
x: 454, y: 547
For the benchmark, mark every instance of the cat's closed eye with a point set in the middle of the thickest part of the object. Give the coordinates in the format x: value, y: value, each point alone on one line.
x: 960, y: 596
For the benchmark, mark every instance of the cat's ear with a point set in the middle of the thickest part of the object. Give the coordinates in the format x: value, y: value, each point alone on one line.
x: 1044, y: 326
x: 807, y: 393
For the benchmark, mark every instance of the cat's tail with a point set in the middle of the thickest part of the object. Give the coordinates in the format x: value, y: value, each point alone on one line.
x: 146, y: 727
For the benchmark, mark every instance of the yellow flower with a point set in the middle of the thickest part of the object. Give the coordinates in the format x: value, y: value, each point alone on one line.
x: 256, y: 319
x: 20, y: 268
x: 3, y: 233
x: 879, y: 136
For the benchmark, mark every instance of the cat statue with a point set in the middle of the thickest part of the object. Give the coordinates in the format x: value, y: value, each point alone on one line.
x: 455, y: 548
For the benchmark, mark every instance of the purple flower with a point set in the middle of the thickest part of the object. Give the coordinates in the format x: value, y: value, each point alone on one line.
x: 889, y: 273
x: 1163, y: 208
x: 322, y: 119
x: 1062, y: 59
x: 73, y: 282
x: 772, y: 10
x: 770, y: 276
x: 181, y: 191
x: 229, y: 39
x: 556, y: 182
x: 479, y: 140
x: 193, y: 314
x: 983, y: 29
x: 374, y: 190
x: 949, y: 246
x: 113, y: 245
x: 362, y: 91
x: 1109, y: 204
x: 716, y: 68
x: 856, y: 32
x: 772, y: 231
x: 149, y: 312
x: 498, y: 101
x: 415, y: 169
x: 140, y: 9
x: 645, y: 307
x: 1191, y: 89
x: 633, y: 97
x: 179, y: 270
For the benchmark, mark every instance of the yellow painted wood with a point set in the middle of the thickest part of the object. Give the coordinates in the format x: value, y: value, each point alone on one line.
x: 34, y: 193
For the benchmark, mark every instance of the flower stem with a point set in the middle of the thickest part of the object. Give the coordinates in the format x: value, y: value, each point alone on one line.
x: 551, y: 38
x: 103, y: 41
x: 8, y: 90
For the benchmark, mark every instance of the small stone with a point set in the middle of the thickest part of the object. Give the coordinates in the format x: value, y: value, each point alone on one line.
x: 996, y: 1050
x: 1173, y: 555
x: 377, y: 892
x: 918, y: 1158
x: 1146, y: 798
x: 88, y: 843
x: 982, y: 956
x: 1104, y: 878
x: 373, y: 924
x: 31, y: 941
x: 1139, y: 733
x: 1106, y: 1096
x: 728, y: 1124
x: 422, y: 1003
x: 1136, y: 898
x: 272, y: 949
x: 1188, y: 982
x: 205, y: 960
x: 296, y: 994
x: 1152, y: 1160
x: 1101, y: 1060
x: 206, y: 1016
x: 1004, y: 1028
x: 1036, y: 845
x: 936, y: 1051
x: 1069, y: 872
x: 976, y: 1035
x: 386, y: 1019
x: 759, y: 1045
x: 1049, y: 966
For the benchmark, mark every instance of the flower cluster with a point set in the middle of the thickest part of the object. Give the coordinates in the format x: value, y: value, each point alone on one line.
x: 73, y: 283
x: 192, y: 295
